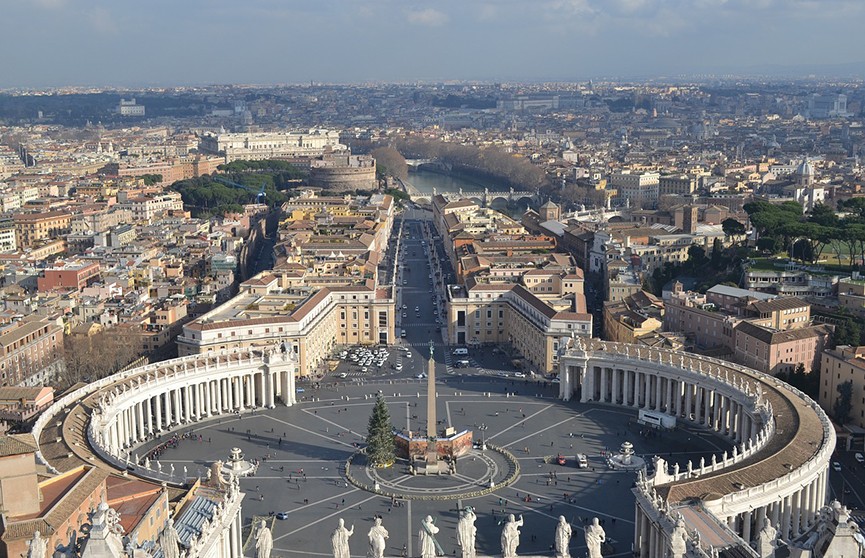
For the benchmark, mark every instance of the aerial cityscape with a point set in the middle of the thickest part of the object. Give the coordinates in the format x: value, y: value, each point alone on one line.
x: 574, y: 278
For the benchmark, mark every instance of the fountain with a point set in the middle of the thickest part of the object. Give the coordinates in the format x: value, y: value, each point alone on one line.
x: 625, y: 460
x: 236, y: 465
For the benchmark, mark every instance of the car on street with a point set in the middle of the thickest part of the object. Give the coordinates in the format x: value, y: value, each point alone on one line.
x: 836, y: 466
x: 397, y: 367
x: 282, y: 515
x: 519, y: 375
x: 556, y: 381
x: 421, y: 376
x: 343, y: 375
x: 860, y: 458
x: 299, y: 390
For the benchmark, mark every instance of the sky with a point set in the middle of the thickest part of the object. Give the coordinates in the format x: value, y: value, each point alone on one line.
x: 47, y: 43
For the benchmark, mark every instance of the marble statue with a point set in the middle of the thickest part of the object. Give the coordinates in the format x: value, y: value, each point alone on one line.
x: 511, y: 536
x: 263, y: 541
x: 37, y: 546
x: 169, y: 541
x: 339, y: 540
x: 563, y: 538
x: 678, y: 539
x: 466, y: 532
x: 766, y: 540
x: 595, y: 538
x: 378, y: 536
x: 426, y: 538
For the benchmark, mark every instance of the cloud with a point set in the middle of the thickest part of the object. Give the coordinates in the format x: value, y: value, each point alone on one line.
x: 428, y: 17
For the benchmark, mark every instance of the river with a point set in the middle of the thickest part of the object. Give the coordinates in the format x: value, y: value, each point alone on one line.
x: 424, y: 181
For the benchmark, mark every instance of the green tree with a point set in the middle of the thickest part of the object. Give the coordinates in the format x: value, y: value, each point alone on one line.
x: 732, y: 227
x: 847, y: 332
x: 151, y: 179
x: 844, y: 403
x: 380, y: 448
x: 696, y: 256
x: 823, y: 215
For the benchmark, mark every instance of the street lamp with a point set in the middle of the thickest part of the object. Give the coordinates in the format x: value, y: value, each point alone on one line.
x: 483, y: 428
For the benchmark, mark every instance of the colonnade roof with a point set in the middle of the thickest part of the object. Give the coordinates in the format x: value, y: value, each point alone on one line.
x: 799, y: 434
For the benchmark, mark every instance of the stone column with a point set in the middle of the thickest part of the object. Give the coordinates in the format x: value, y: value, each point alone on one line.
x: 774, y: 513
x: 698, y: 404
x: 241, y: 395
x: 785, y: 521
x: 158, y: 414
x: 688, y: 391
x: 139, y: 411
x: 178, y: 416
x: 149, y: 411
x: 746, y: 526
x: 707, y: 412
x: 604, y: 386
x: 797, y: 512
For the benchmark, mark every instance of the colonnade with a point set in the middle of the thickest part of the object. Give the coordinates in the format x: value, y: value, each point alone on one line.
x: 747, y: 489
x: 185, y: 402
x: 717, y: 407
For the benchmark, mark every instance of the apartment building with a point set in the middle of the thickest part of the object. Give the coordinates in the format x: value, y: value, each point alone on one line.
x: 677, y: 185
x: 30, y: 350
x: 851, y: 294
x: 31, y: 228
x: 270, y: 145
x: 73, y: 276
x: 636, y: 316
x: 837, y: 366
x: 146, y: 208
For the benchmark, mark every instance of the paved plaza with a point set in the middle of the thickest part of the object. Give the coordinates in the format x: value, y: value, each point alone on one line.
x: 303, y: 451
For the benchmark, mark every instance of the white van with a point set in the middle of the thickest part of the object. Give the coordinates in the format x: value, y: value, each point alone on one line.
x: 461, y: 351
x: 582, y: 461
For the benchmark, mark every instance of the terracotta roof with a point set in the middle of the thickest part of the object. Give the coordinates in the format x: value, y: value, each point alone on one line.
x: 786, y: 303
x: 17, y: 444
x: 770, y: 336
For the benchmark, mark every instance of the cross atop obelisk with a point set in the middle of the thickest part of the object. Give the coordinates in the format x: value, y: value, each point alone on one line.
x: 431, y: 430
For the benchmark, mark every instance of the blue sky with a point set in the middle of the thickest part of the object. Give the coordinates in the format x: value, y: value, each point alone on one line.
x: 172, y: 42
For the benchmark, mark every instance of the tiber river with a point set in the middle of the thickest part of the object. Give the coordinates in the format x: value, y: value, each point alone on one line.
x: 425, y: 181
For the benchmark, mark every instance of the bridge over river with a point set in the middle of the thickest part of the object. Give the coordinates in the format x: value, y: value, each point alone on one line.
x: 485, y: 197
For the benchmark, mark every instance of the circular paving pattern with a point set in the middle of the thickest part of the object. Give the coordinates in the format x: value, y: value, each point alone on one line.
x: 474, y: 472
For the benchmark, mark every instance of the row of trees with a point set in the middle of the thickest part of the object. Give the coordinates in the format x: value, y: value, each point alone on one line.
x: 389, y: 162
x: 805, y: 237
x: 89, y: 358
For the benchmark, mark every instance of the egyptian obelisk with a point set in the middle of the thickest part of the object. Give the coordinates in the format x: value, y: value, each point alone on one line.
x: 431, y: 430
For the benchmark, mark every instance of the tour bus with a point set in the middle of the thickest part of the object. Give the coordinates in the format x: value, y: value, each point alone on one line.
x: 656, y: 420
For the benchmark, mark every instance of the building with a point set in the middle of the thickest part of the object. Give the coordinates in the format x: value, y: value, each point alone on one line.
x: 31, y: 351
x: 271, y: 145
x: 827, y: 105
x: 31, y: 228
x: 485, y: 312
x: 71, y: 275
x: 636, y: 189
x: 343, y: 173
x: 840, y: 365
x: 130, y: 108
x: 851, y: 294
x: 637, y: 315
x: 307, y: 321
x: 780, y: 351
x: 677, y: 185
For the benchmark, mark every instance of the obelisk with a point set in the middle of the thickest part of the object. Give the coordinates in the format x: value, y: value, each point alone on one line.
x: 431, y: 430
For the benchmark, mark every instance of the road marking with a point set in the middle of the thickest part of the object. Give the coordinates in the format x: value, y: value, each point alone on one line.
x: 308, y: 525
x: 533, y: 415
x: 308, y: 431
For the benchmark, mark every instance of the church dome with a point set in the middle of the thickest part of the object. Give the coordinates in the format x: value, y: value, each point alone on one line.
x: 805, y: 168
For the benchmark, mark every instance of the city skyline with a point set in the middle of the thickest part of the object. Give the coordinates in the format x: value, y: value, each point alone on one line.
x: 65, y: 43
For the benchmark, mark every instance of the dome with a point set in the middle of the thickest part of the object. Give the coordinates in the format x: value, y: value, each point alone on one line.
x: 805, y: 168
